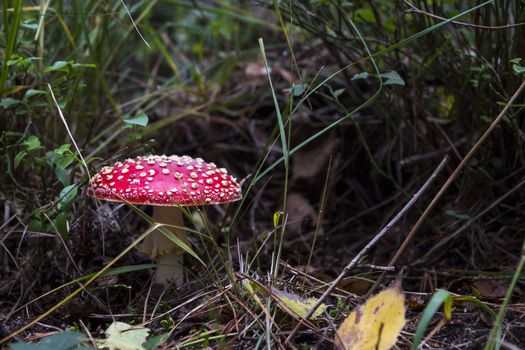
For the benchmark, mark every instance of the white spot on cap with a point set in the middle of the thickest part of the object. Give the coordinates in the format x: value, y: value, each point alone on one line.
x: 193, y: 174
x: 165, y: 171
x: 139, y: 167
x: 178, y: 175
x: 151, y: 172
x: 194, y: 185
x: 142, y: 174
x: 209, y: 181
x: 109, y: 177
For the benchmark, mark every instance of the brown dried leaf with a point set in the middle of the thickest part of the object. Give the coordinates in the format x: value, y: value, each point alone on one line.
x: 491, y: 289
x: 298, y: 209
x: 313, y: 161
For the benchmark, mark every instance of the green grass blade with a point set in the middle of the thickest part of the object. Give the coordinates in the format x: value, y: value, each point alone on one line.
x: 168, y: 234
x: 432, y: 307
x: 495, y: 333
x: 282, y: 132
x: 11, y: 34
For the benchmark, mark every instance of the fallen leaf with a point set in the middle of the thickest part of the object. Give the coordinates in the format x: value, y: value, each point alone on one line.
x: 491, y: 289
x: 299, y: 305
x: 255, y: 70
x: 298, y: 209
x: 374, y: 325
x: 312, y: 161
x: 122, y: 336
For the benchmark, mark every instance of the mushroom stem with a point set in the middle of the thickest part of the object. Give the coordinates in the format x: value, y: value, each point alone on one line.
x: 164, y: 251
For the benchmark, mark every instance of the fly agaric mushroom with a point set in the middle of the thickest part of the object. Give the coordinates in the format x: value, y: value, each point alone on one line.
x: 165, y: 182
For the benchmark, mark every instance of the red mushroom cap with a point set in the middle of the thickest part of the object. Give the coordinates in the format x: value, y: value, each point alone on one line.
x: 166, y: 181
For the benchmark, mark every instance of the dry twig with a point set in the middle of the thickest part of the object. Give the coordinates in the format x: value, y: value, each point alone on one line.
x: 370, y: 244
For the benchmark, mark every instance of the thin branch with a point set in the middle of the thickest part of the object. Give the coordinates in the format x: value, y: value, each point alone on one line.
x: 453, y: 176
x: 370, y: 244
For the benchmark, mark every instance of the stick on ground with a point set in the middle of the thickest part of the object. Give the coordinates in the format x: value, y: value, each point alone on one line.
x: 370, y: 244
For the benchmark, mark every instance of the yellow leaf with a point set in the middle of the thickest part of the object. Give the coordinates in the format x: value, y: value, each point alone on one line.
x: 248, y: 285
x: 300, y: 306
x: 375, y: 324
x: 276, y: 218
x: 122, y: 336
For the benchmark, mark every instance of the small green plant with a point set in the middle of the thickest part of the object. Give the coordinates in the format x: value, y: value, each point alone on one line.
x: 61, y: 341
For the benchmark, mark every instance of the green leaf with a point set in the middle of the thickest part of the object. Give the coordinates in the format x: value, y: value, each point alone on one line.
x: 432, y: 307
x: 60, y: 223
x: 67, y: 195
x: 140, y: 119
x: 392, y: 78
x: 357, y: 76
x: 338, y: 92
x: 9, y: 102
x: 32, y: 143
x: 32, y: 92
x: 156, y: 341
x: 60, y: 341
x: 35, y: 225
x: 30, y: 26
x: 122, y: 336
x: 62, y: 175
x: 518, y: 69
x: 62, y: 66
x: 62, y: 149
x: 457, y: 215
x: 19, y: 157
x: 64, y: 161
x: 297, y: 90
